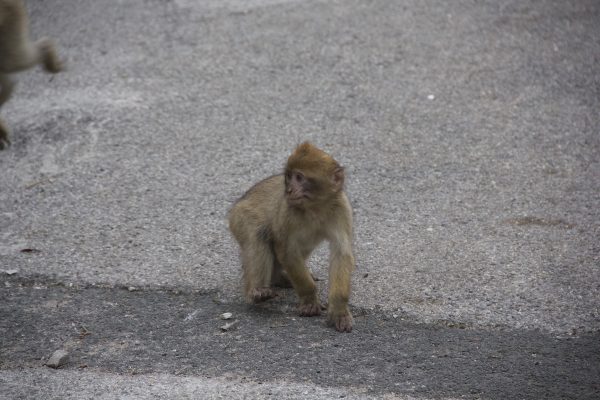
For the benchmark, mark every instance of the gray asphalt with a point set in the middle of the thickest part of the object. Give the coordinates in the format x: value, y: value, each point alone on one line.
x: 470, y: 135
x: 131, y: 333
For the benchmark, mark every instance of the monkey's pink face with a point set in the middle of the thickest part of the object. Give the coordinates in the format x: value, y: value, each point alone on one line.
x: 298, y: 188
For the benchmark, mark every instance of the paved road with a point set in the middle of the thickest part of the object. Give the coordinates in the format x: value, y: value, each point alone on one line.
x: 469, y: 131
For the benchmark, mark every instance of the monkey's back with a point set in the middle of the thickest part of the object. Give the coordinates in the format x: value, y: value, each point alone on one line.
x: 257, y: 207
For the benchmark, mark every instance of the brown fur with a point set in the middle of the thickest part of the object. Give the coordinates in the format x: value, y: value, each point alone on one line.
x: 276, y: 233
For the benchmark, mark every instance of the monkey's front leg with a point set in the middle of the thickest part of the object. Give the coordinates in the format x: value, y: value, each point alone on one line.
x: 340, y: 271
x: 304, y: 285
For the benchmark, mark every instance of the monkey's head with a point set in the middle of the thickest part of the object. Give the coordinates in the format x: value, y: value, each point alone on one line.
x: 312, y: 177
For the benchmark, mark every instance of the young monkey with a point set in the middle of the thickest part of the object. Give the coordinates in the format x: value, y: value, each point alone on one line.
x: 280, y: 220
x: 18, y: 52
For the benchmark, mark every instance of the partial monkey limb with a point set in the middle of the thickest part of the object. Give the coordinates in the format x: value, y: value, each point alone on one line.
x: 6, y: 88
x: 340, y: 271
x: 27, y: 55
x: 338, y: 313
x: 279, y: 278
x: 18, y: 52
x: 48, y: 56
x: 4, y: 140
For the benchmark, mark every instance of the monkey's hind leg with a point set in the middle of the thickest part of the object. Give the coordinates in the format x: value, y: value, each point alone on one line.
x: 257, y: 260
x: 279, y: 277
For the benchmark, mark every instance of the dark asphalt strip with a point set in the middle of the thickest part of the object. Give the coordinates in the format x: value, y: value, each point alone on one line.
x: 165, y: 331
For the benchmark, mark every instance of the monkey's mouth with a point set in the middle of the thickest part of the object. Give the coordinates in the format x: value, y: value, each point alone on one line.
x: 297, y: 200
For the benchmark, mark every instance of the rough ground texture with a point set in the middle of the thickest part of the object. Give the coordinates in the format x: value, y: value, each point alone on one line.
x: 470, y: 134
x: 115, y: 330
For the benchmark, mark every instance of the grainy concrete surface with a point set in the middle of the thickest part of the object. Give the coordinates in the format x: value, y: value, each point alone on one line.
x: 470, y: 134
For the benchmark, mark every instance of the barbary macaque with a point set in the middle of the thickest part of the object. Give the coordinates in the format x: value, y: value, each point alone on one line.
x: 18, y: 52
x: 279, y: 222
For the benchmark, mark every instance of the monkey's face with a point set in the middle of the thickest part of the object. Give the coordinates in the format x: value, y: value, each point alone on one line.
x: 312, y: 178
x: 300, y: 189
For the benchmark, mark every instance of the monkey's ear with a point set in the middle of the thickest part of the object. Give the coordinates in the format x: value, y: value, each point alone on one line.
x: 338, y: 178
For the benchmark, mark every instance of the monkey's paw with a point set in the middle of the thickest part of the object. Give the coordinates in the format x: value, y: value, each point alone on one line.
x: 310, y: 309
x: 341, y: 322
x: 258, y: 295
x: 50, y: 59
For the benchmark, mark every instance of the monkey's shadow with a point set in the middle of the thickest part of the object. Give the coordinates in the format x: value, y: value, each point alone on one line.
x: 284, y: 305
x: 283, y: 311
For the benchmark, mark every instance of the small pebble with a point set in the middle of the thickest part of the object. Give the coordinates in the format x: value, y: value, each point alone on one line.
x: 191, y: 315
x: 58, y: 359
x: 226, y: 315
x: 228, y: 326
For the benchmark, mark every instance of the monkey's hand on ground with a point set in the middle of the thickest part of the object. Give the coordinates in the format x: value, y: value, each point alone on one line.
x: 258, y: 295
x: 309, y: 309
x: 341, y: 321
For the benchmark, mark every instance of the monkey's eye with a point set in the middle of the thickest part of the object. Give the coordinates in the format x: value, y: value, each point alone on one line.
x: 298, y: 177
